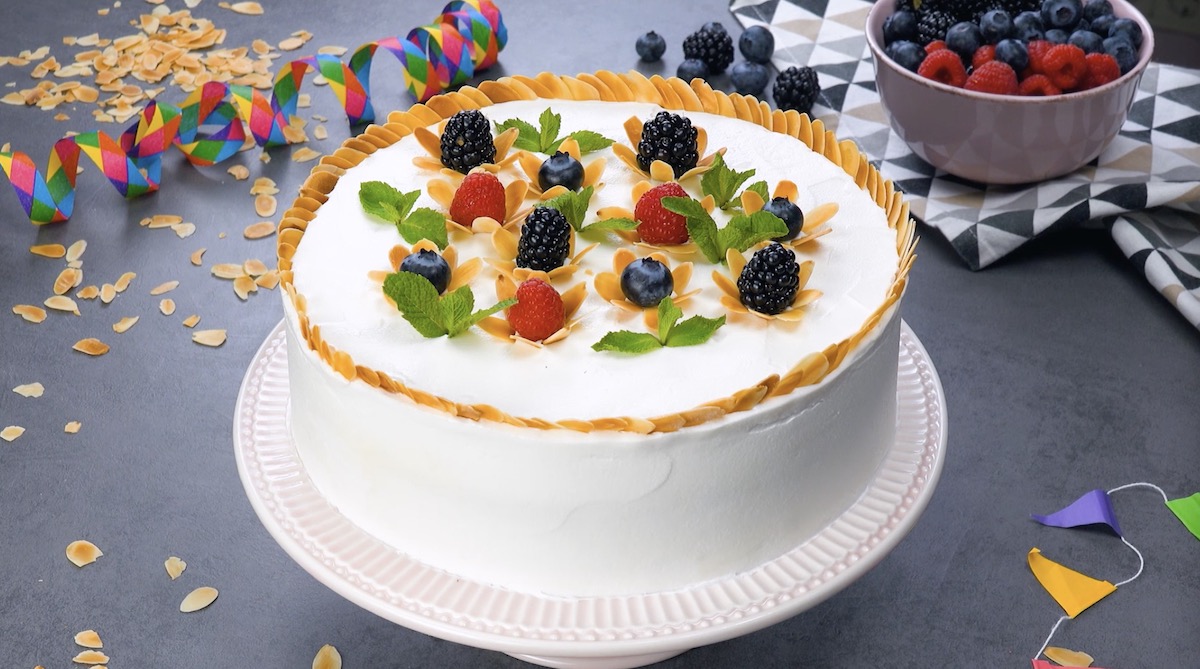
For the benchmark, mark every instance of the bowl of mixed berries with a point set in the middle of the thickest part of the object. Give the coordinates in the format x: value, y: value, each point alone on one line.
x: 1008, y: 91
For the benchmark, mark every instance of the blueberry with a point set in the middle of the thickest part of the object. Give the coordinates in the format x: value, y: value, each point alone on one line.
x: 964, y: 38
x: 750, y: 78
x: 646, y: 282
x: 908, y: 55
x: 901, y: 26
x: 996, y: 25
x: 757, y: 44
x: 692, y: 68
x: 1014, y: 53
x: 1028, y: 27
x: 651, y: 46
x: 713, y: 27
x: 1057, y: 36
x: 430, y: 265
x: 1094, y: 9
x: 1102, y: 24
x: 1062, y: 14
x: 788, y: 213
x: 1122, y: 51
x: 560, y: 170
x: 1129, y: 28
x: 1087, y: 40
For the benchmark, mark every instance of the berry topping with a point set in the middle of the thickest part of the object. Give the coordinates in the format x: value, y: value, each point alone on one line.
x: 480, y: 194
x: 714, y: 47
x: 1127, y: 28
x: 1061, y: 14
x: 1101, y: 69
x: 1087, y: 40
x: 1094, y: 9
x: 757, y: 44
x: 656, y: 225
x: 1064, y: 64
x: 1013, y: 53
x: 787, y: 212
x: 996, y: 25
x: 670, y: 138
x: 650, y: 47
x: 933, y: 25
x: 749, y: 78
x: 1038, y: 84
x: 1037, y: 53
x: 944, y: 66
x: 993, y: 77
x: 692, y: 68
x: 983, y: 54
x: 1028, y: 26
x: 1121, y: 50
x: 907, y: 54
x: 545, y: 240
x: 467, y: 141
x: 796, y: 88
x: 561, y: 169
x: 935, y: 45
x: 964, y: 39
x: 713, y: 27
x: 646, y: 282
x: 900, y: 27
x: 768, y: 282
x: 538, y: 312
x: 430, y: 265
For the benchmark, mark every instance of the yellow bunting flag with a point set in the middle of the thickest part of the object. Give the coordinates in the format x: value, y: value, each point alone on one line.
x: 1073, y: 591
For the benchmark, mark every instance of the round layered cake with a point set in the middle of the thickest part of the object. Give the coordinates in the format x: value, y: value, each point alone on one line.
x: 661, y: 426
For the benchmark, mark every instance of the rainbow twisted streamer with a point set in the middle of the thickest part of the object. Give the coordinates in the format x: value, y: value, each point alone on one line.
x: 210, y: 126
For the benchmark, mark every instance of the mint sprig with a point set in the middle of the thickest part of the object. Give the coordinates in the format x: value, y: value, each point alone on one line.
x: 572, y: 205
x: 381, y: 200
x: 693, y: 331
x: 740, y: 233
x: 723, y: 182
x: 545, y: 137
x: 432, y: 315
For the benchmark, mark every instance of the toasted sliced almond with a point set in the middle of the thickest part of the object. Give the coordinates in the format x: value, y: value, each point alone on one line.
x: 88, y: 293
x: 305, y: 154
x: 227, y: 270
x: 89, y: 639
x: 165, y: 220
x: 72, y: 427
x: 320, y: 132
x: 197, y: 257
x: 291, y: 44
x: 30, y: 313
x: 175, y: 567
x: 327, y: 658
x: 164, y: 287
x: 48, y: 250
x: 209, y: 337
x: 75, y: 251
x: 166, y: 306
x: 108, y: 293
x: 248, y: 8
x: 198, y: 599
x: 268, y: 280
x: 62, y: 303
x: 91, y: 346
x: 30, y: 389
x: 255, y: 267
x: 265, y: 205
x: 239, y: 172
x: 191, y: 321
x: 259, y: 230
x: 90, y: 657
x: 11, y: 432
x: 184, y: 230
x: 82, y: 552
x: 243, y: 286
x: 122, y: 281
x: 124, y: 324
x: 67, y: 279
x: 264, y: 186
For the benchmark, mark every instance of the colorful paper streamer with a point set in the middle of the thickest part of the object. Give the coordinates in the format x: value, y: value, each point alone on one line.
x: 208, y: 127
x: 1187, y: 510
x: 1093, y: 508
x: 1073, y: 591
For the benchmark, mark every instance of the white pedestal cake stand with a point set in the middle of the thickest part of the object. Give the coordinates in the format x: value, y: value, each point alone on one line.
x: 586, y: 632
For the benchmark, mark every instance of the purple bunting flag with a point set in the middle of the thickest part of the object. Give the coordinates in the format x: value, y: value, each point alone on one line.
x: 1092, y: 508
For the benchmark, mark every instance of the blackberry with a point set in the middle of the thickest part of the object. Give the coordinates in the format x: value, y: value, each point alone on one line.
x: 712, y: 47
x: 769, y: 281
x: 545, y: 240
x: 670, y: 138
x: 467, y: 141
x: 796, y: 88
x: 933, y: 25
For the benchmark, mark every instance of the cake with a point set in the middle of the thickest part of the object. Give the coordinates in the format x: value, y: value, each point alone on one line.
x: 553, y: 467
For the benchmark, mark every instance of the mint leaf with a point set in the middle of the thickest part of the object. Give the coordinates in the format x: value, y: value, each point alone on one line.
x: 528, y: 137
x: 424, y: 223
x: 589, y: 141
x: 379, y: 199
x: 573, y: 205
x: 456, y: 310
x: 693, y: 331
x: 550, y: 123
x: 668, y: 315
x: 701, y: 227
x: 545, y: 139
x: 417, y: 301
x: 610, y: 224
x: 484, y: 313
x: 624, y: 341
x: 760, y: 187
x: 722, y: 182
x: 746, y: 231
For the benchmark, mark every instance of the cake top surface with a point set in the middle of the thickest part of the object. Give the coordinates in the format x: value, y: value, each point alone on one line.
x: 344, y: 251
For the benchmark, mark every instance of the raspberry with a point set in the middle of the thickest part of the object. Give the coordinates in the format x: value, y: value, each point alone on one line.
x: 480, y: 194
x: 1065, y: 65
x: 545, y: 240
x: 993, y: 77
x: 656, y: 225
x: 538, y: 312
x: 935, y: 45
x: 467, y: 141
x: 796, y: 88
x: 670, y: 138
x: 1038, y: 84
x: 769, y: 282
x: 983, y: 54
x: 1101, y: 69
x: 944, y: 66
x: 1037, y: 53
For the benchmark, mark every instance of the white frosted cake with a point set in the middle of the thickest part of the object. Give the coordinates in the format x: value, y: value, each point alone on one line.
x: 552, y: 467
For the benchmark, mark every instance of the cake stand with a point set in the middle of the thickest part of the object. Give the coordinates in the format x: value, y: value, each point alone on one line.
x: 586, y: 632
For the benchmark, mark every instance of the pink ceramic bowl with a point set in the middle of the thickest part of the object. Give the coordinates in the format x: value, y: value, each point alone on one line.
x: 1001, y: 139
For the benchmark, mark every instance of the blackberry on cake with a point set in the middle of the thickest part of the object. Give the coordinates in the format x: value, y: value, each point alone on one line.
x: 545, y: 240
x: 670, y: 138
x: 768, y: 282
x: 467, y: 141
x: 713, y: 47
x: 796, y: 88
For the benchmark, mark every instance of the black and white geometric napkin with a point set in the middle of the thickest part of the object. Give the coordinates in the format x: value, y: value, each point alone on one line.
x: 1145, y: 186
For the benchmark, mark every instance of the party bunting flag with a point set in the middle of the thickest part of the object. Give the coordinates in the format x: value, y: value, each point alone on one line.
x: 1093, y: 508
x: 1187, y: 510
x: 1073, y: 591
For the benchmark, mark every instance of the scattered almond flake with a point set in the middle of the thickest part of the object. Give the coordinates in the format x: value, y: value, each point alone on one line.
x: 259, y: 230
x: 75, y: 251
x: 243, y: 286
x: 30, y: 390
x: 320, y: 80
x: 108, y: 293
x: 255, y: 267
x: 90, y: 657
x: 248, y: 8
x: 184, y: 230
x: 11, y: 432
x: 332, y: 50
x: 320, y: 118
x: 327, y: 658
x: 67, y: 279
x: 165, y: 220
x: 264, y: 157
x: 62, y: 303
x: 239, y: 172
x: 221, y: 235
x: 91, y: 346
x: 72, y: 427
x: 320, y: 132
x: 88, y: 293
x: 304, y: 101
x: 61, y: 117
x: 303, y: 155
x: 48, y: 250
x: 198, y: 599
x: 103, y: 11
x: 164, y: 287
x: 191, y: 4
x: 89, y: 639
x: 260, y: 47
x: 198, y: 256
x: 75, y: 264
x: 82, y: 552
x: 122, y: 281
x: 227, y: 270
x: 268, y: 280
x: 174, y: 567
x: 191, y: 321
x: 290, y: 44
x: 166, y: 306
x: 209, y: 337
x: 121, y: 326
x: 30, y: 313
x: 263, y: 186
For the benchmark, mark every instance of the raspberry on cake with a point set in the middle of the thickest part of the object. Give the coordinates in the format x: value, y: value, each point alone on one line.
x: 656, y: 225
